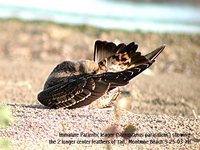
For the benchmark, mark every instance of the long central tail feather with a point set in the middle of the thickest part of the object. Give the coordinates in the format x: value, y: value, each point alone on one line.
x: 83, y: 89
x: 155, y: 53
x: 121, y: 57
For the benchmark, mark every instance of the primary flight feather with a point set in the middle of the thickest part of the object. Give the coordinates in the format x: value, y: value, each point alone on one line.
x: 73, y: 84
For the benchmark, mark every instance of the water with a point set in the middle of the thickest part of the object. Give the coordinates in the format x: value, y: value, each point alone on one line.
x: 108, y: 14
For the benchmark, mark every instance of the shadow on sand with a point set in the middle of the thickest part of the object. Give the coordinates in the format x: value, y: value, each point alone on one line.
x: 38, y: 106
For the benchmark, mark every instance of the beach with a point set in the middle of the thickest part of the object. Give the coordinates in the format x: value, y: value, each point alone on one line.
x: 165, y: 98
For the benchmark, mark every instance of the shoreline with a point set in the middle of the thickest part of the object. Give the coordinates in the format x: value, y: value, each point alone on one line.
x: 164, y: 100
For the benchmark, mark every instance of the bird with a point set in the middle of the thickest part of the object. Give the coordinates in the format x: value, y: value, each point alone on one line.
x: 74, y: 84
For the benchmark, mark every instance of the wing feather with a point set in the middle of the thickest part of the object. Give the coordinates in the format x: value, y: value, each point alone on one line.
x: 79, y: 92
x: 103, y: 49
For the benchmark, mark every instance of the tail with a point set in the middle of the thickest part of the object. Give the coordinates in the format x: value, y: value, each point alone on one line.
x: 83, y: 89
x: 115, y: 58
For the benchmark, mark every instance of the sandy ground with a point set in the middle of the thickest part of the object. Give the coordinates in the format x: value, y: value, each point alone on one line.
x: 166, y: 101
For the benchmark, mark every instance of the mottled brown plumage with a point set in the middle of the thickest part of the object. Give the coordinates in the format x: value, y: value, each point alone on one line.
x: 76, y: 84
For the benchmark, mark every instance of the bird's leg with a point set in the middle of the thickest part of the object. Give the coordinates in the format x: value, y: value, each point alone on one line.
x: 115, y: 97
x: 113, y: 100
x: 104, y: 104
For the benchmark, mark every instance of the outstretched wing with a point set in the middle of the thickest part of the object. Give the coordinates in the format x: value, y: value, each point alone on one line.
x: 121, y: 57
x: 85, y: 89
x: 103, y: 49
x: 81, y: 90
x: 123, y: 77
x: 111, y: 57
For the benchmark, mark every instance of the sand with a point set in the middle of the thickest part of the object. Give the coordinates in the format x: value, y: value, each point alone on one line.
x: 163, y: 100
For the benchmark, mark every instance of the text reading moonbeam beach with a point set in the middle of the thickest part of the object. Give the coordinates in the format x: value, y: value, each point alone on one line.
x: 122, y: 138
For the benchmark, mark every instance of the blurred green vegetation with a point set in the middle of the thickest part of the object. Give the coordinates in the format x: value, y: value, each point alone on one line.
x: 5, y: 119
x: 5, y: 116
x: 4, y: 144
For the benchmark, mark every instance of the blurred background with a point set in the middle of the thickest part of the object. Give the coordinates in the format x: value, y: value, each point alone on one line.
x: 36, y: 35
x: 145, y: 15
